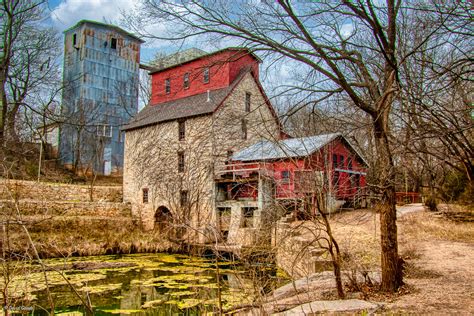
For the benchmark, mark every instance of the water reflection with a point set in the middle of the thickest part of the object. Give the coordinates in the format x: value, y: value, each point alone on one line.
x: 158, y: 285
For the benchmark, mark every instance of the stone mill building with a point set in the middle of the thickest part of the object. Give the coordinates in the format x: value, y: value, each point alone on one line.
x: 207, y: 161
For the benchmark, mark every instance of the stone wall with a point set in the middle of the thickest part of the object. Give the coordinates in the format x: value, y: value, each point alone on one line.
x: 44, y: 191
x: 297, y: 249
x: 151, y: 158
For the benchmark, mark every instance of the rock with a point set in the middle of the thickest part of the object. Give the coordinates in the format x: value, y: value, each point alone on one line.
x: 317, y: 307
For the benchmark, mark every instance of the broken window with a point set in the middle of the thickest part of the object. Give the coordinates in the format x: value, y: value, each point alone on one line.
x: 113, y: 43
x: 104, y: 130
x: 247, y: 217
x: 145, y: 195
x: 206, y: 75
x: 244, y: 128
x: 183, y: 198
x: 180, y: 161
x: 247, y: 101
x: 181, y: 130
x: 186, y: 80
x: 167, y: 86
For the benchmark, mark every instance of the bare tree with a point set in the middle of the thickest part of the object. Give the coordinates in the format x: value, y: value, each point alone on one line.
x: 361, y: 64
x: 27, y: 60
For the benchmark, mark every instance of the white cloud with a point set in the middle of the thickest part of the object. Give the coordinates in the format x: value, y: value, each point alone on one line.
x: 69, y: 12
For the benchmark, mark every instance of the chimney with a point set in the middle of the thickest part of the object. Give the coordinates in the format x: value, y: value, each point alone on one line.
x: 208, y: 96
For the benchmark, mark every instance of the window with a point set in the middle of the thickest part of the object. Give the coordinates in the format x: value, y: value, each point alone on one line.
x: 113, y: 43
x: 341, y: 162
x: 186, y: 80
x: 167, y: 86
x: 206, y: 75
x: 183, y: 198
x: 285, y: 176
x: 229, y: 154
x: 247, y: 101
x: 104, y: 130
x: 181, y: 130
x: 349, y: 163
x: 74, y: 39
x: 180, y: 161
x: 244, y: 129
x: 145, y: 195
x: 121, y: 136
x: 247, y: 217
x: 334, y: 161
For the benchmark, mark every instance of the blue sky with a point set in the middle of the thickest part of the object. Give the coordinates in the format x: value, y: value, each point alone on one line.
x: 65, y: 13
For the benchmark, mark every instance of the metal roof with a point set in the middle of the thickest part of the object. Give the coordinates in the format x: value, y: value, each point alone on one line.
x: 287, y: 148
x: 110, y: 26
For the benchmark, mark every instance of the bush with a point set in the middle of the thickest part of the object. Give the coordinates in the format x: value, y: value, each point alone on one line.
x: 455, y: 186
x: 430, y: 202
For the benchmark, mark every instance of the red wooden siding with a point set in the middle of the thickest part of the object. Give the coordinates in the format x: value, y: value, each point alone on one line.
x: 224, y: 67
x: 287, y: 188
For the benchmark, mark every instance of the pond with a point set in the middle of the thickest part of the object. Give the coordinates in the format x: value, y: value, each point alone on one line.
x: 145, y: 284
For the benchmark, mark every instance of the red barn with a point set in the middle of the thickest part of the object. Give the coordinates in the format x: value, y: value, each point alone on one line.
x: 298, y: 168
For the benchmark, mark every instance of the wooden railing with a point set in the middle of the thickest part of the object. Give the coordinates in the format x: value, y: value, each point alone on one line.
x: 243, y: 170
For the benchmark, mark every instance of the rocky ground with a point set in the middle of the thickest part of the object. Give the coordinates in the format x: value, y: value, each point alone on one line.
x: 439, y: 269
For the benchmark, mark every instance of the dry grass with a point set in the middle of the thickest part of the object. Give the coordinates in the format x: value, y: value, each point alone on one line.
x: 81, y: 236
x: 358, y: 235
x: 424, y: 226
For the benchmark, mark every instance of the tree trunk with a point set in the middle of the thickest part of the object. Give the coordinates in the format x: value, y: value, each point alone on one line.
x: 390, y: 263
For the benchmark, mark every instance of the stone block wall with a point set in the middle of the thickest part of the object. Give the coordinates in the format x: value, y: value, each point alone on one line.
x: 44, y: 191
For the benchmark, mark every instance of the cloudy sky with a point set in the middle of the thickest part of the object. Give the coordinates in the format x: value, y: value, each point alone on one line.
x: 66, y: 13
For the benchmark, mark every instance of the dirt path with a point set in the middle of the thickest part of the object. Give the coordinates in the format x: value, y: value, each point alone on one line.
x: 441, y: 280
x: 409, y: 208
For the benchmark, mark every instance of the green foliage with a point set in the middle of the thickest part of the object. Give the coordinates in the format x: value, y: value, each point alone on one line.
x: 454, y: 187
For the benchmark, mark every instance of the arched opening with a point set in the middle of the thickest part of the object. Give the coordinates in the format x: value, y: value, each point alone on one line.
x: 163, y: 219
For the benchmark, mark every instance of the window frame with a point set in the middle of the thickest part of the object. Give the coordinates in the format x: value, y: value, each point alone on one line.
x: 183, y: 198
x: 113, y: 43
x: 248, y: 215
x: 101, y: 130
x: 186, y: 82
x: 181, y: 161
x: 285, y: 176
x: 206, y: 75
x: 181, y: 130
x: 248, y: 101
x: 167, y: 86
x: 145, y: 195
